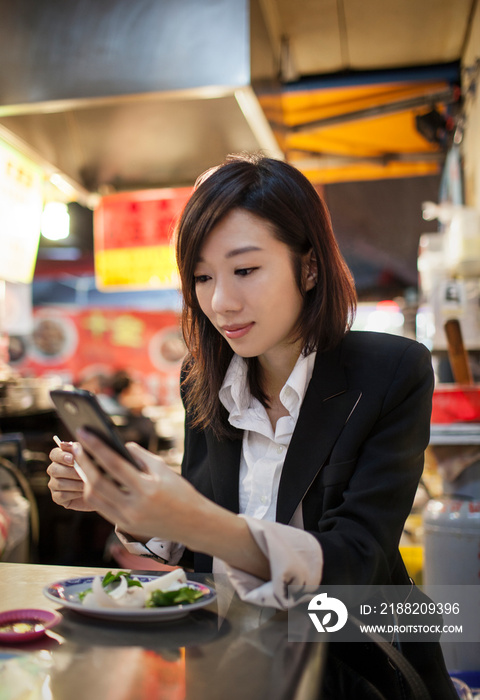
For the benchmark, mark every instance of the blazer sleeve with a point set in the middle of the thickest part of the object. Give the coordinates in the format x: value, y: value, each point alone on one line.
x: 359, y: 533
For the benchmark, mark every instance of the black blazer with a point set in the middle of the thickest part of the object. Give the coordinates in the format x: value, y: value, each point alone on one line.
x: 354, y: 461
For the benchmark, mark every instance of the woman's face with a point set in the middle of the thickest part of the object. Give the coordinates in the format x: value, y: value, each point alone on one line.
x: 245, y: 285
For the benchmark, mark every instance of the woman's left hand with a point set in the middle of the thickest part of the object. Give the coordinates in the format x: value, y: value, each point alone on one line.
x: 156, y: 502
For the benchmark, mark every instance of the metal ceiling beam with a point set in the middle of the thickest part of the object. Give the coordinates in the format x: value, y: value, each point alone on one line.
x: 69, y: 188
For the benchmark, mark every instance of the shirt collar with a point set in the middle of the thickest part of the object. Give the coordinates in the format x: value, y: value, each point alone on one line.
x: 235, y: 394
x: 296, y: 385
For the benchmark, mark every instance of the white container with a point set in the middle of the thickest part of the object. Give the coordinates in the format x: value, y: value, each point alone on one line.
x: 462, y: 242
x: 452, y: 549
x: 430, y: 262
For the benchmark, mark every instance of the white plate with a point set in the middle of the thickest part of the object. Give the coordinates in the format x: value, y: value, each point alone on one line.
x: 66, y: 593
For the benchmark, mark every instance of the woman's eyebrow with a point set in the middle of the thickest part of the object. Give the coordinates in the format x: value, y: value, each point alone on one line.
x: 235, y: 251
x: 239, y: 251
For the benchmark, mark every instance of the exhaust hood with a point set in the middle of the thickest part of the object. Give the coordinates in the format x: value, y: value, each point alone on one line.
x: 114, y: 95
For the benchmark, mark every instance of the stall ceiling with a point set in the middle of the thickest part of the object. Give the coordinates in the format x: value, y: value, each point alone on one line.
x: 355, y: 78
x: 332, y: 36
x: 121, y: 95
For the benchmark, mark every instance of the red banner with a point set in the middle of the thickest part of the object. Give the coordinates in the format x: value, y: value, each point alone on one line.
x: 133, y: 239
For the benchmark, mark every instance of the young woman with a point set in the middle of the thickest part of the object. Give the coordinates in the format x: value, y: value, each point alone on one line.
x: 304, y: 440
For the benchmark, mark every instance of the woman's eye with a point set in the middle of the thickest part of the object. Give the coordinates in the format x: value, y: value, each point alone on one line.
x: 199, y: 279
x: 244, y: 271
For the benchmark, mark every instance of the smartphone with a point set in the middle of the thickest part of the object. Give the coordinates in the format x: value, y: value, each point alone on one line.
x: 78, y: 408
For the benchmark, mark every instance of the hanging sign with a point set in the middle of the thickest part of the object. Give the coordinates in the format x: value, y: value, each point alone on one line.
x: 133, y: 239
x: 21, y: 202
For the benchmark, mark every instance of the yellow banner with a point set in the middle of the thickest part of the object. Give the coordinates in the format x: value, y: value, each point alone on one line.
x: 143, y: 267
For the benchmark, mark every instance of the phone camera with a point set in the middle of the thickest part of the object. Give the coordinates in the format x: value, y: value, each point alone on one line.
x: 71, y: 407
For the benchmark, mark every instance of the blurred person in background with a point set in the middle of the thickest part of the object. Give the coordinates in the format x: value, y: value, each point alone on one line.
x: 130, y: 392
x: 131, y: 398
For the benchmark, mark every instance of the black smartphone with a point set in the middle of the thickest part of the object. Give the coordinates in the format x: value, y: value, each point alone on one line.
x: 78, y: 408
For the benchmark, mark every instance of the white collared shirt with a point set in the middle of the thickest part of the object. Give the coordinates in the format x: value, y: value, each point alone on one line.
x: 295, y: 556
x: 263, y: 448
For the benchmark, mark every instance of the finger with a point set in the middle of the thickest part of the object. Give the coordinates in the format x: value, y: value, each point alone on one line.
x: 59, y: 443
x: 137, y: 449
x: 65, y: 498
x: 61, y: 456
x: 102, y: 493
x: 60, y: 471
x: 63, y: 444
x: 69, y: 485
x: 72, y: 502
x: 151, y: 464
x: 140, y: 454
x: 121, y: 471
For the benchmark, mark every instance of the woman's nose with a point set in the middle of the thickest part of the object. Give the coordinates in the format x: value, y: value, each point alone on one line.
x: 224, y: 298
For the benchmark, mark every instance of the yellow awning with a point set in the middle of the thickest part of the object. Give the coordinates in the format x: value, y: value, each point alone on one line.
x: 359, y: 132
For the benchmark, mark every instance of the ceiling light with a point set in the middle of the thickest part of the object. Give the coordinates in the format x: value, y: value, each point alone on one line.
x: 55, y: 221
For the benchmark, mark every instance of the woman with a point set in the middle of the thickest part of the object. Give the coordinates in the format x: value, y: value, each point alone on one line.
x: 304, y: 440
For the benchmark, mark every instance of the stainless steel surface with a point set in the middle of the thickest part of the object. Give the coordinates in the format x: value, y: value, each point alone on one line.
x: 455, y: 434
x: 89, y: 49
x: 228, y: 650
x: 130, y: 144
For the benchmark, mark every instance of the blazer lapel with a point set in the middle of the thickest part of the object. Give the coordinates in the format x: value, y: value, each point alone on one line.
x: 224, y: 461
x: 327, y: 406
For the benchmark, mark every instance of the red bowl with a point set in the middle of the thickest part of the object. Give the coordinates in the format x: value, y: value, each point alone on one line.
x: 45, y: 618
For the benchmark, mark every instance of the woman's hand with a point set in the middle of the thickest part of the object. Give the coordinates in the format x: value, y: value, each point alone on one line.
x: 65, y: 484
x: 155, y: 502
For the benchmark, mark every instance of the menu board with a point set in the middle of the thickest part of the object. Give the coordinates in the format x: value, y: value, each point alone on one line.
x: 21, y: 203
x: 133, y: 239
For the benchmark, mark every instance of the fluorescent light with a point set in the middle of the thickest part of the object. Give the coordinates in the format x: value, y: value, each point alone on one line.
x: 55, y: 221
x: 62, y: 184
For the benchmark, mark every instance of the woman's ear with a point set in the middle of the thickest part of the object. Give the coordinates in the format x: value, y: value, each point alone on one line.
x: 311, y: 270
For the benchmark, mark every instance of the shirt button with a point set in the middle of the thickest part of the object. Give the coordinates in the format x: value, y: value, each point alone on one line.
x: 280, y: 449
x: 263, y: 499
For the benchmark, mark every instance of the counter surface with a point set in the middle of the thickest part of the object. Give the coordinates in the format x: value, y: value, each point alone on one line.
x: 226, y: 650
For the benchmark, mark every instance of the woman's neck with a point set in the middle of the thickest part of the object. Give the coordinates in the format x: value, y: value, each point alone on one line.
x: 276, y: 369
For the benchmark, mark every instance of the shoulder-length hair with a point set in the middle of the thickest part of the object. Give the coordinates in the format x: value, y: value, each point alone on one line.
x: 283, y: 197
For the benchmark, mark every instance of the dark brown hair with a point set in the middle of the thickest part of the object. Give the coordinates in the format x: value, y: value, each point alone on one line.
x: 283, y: 197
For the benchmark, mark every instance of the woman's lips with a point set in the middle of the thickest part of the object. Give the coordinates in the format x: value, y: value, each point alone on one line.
x: 234, y: 332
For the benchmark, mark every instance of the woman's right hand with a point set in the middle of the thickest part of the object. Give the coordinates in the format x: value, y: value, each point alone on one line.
x: 65, y: 484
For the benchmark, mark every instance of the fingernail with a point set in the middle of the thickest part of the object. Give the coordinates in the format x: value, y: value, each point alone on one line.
x: 68, y: 458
